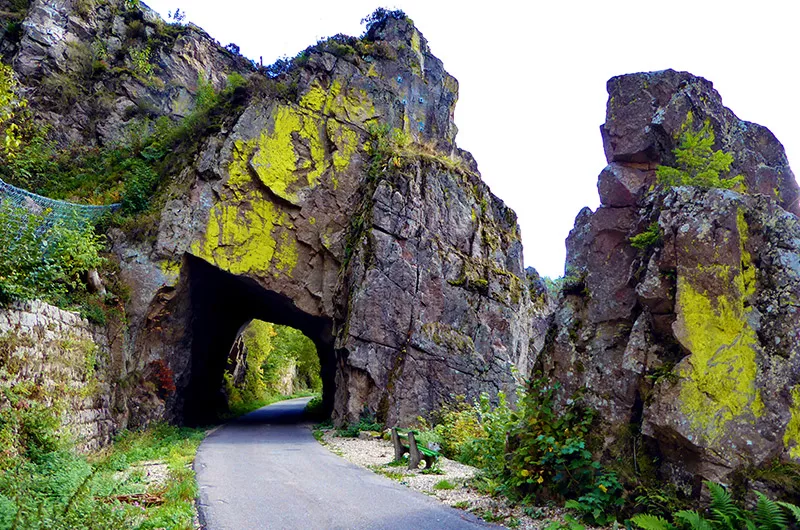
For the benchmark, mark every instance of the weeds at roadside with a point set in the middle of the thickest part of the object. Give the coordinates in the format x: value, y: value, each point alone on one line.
x: 444, y: 484
x: 394, y: 475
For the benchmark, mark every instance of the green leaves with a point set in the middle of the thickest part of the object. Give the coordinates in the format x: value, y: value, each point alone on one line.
x: 769, y: 515
x: 724, y: 514
x: 649, y: 238
x: 40, y: 260
x: 697, y: 162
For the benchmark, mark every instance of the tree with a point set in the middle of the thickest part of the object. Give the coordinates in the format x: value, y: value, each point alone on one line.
x: 697, y: 162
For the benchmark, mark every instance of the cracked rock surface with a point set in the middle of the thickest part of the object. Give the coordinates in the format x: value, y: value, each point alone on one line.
x: 693, y: 341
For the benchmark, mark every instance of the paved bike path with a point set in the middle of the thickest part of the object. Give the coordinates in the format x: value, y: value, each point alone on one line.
x: 265, y: 470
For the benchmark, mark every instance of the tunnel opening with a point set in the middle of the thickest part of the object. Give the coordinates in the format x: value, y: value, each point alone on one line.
x: 223, y: 306
x: 269, y: 360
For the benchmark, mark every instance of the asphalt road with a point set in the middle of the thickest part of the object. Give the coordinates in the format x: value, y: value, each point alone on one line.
x: 266, y: 470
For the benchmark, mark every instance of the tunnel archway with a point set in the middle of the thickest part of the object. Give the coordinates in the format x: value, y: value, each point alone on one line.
x: 222, y: 304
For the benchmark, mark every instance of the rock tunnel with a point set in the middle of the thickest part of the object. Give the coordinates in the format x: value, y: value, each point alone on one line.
x: 222, y: 304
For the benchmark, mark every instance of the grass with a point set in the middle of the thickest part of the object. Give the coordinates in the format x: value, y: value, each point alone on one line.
x: 394, y: 475
x: 59, y: 489
x: 144, y: 480
x: 444, y: 484
x: 168, y: 505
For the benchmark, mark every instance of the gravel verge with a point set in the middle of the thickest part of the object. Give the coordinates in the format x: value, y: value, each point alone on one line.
x: 373, y: 452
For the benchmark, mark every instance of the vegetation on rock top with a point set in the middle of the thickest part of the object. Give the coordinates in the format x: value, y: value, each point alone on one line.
x: 697, y: 162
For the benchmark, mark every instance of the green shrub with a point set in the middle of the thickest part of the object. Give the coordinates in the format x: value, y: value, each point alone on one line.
x: 550, y: 457
x: 367, y: 422
x: 140, y: 180
x: 380, y: 16
x: 649, y: 238
x: 40, y: 260
x: 315, y: 409
x: 697, y: 163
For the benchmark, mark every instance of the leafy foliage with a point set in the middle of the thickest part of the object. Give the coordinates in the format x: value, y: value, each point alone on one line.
x: 647, y: 239
x: 130, y: 172
x: 531, y: 452
x: 43, y: 260
x: 550, y: 457
x: 44, y: 484
x: 380, y: 16
x: 16, y: 125
x: 697, y: 162
x: 366, y: 422
x: 724, y: 514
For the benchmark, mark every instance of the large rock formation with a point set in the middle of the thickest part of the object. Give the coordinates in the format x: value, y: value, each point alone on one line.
x: 397, y: 261
x: 693, y: 340
x: 332, y: 199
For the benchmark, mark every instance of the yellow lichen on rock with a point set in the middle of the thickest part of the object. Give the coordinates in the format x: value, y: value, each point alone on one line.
x: 171, y: 269
x: 239, y: 235
x: 346, y: 142
x: 249, y: 233
x: 349, y: 105
x: 791, y: 437
x: 275, y: 159
x: 719, y: 384
x: 748, y: 277
x: 315, y: 98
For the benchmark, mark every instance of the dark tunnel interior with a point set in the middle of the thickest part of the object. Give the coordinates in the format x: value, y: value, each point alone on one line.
x: 221, y: 305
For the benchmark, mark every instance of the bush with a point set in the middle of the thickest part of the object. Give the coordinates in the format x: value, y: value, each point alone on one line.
x: 533, y: 452
x: 42, y: 260
x: 649, y: 238
x: 380, y: 16
x: 367, y: 422
x: 550, y: 457
x: 697, y: 162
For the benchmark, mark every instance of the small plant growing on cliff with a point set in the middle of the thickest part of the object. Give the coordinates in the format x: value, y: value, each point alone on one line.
x: 697, y: 162
x: 381, y: 15
x: 647, y: 239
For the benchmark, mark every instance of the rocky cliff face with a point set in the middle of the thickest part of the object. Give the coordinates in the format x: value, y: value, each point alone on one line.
x: 333, y: 200
x: 94, y: 69
x: 692, y: 341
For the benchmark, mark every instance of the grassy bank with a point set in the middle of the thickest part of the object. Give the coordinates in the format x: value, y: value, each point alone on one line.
x: 143, y: 481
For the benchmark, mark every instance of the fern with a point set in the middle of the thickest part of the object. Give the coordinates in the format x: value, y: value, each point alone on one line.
x: 651, y: 522
x: 769, y: 515
x: 793, y: 509
x: 724, y: 513
x: 694, y: 520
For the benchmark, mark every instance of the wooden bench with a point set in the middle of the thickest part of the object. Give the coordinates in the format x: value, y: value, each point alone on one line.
x: 405, y: 442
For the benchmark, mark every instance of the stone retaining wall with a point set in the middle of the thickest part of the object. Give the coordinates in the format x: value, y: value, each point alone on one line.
x: 68, y: 359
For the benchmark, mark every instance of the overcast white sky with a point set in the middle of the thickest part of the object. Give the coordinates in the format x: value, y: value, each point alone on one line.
x: 533, y: 74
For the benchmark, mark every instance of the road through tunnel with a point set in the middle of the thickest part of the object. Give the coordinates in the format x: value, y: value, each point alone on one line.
x: 222, y: 305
